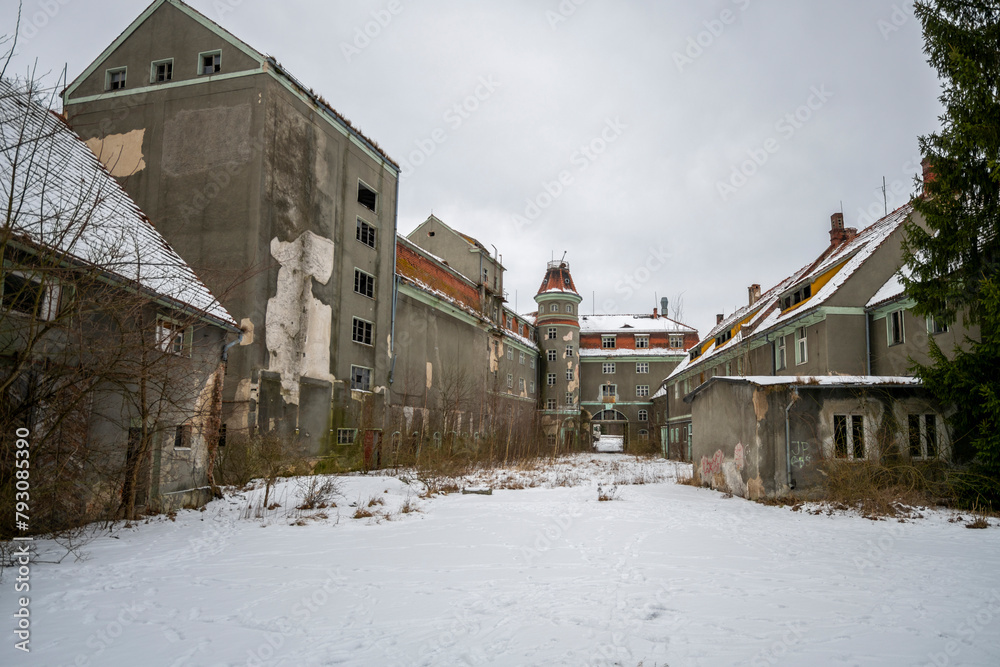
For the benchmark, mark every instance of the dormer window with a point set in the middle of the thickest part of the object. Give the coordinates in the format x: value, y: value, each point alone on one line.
x: 211, y: 62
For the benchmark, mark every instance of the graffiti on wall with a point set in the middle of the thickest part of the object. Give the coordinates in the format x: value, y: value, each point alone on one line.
x: 800, y: 454
x: 711, y: 466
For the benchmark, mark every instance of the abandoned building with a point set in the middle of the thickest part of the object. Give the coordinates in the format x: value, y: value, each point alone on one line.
x: 814, y: 369
x: 111, y: 348
x: 284, y: 208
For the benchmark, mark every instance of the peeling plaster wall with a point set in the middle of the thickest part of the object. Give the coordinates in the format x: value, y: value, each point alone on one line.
x: 297, y: 324
x: 121, y: 154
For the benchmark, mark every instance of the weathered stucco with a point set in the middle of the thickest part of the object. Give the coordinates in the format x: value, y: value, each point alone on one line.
x: 297, y: 324
x: 121, y: 154
x: 200, y: 140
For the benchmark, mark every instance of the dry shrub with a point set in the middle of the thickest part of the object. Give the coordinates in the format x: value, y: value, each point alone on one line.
x: 606, y: 494
x: 885, y: 488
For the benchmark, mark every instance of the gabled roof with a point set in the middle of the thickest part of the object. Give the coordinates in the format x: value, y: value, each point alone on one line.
x: 808, y: 382
x: 825, y: 275
x: 66, y: 200
x: 432, y: 275
x: 628, y: 324
x: 266, y: 64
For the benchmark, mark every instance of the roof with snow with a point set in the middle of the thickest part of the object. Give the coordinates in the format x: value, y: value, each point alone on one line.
x: 558, y: 279
x: 892, y: 289
x: 809, y: 381
x: 824, y: 276
x: 672, y: 352
x: 64, y: 199
x: 631, y: 324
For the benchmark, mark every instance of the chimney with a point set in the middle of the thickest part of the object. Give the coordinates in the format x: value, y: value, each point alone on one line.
x: 664, y: 303
x: 837, y: 232
x: 928, y: 173
x: 754, y: 291
x: 719, y: 317
x: 655, y: 316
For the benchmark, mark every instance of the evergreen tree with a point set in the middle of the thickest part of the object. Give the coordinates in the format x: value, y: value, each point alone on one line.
x: 953, y: 261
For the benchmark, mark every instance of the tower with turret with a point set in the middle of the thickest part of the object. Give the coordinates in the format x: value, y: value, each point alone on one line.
x: 558, y: 330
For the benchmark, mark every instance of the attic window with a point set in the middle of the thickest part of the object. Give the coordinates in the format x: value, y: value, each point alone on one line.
x: 161, y: 71
x: 211, y: 62
x: 115, y: 78
x: 368, y: 198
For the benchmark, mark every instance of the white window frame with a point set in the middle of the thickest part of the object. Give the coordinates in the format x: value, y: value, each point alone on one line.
x: 167, y: 331
x: 801, y: 346
x: 550, y: 404
x: 569, y: 375
x: 48, y: 309
x: 553, y: 307
x: 354, y: 330
x: 510, y: 380
x: 642, y: 341
x: 362, y: 230
x: 551, y: 355
x: 570, y: 399
x: 367, y: 376
x: 510, y: 353
x: 531, y: 361
x: 605, y: 340
x: 531, y: 387
x: 550, y: 379
x: 569, y: 352
x: 609, y: 391
x: 520, y: 384
x: 569, y: 308
x: 550, y: 334
x: 642, y: 367
x: 373, y: 209
x: 608, y: 368
x: 374, y: 284
x: 780, y: 354
x: 677, y: 341
x: 934, y: 327
x: 641, y: 390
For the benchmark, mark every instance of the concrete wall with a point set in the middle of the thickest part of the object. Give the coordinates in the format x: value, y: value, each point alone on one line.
x: 257, y: 189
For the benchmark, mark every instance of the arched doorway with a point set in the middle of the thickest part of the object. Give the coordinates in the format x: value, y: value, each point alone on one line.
x: 610, y: 428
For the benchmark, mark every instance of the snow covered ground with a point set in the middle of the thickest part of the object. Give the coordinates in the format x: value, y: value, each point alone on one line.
x: 542, y: 575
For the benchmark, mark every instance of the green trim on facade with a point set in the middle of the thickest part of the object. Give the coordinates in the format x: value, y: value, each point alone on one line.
x: 433, y: 301
x: 144, y: 90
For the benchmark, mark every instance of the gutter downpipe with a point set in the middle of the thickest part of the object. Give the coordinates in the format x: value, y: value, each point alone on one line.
x: 788, y: 440
x: 395, y: 289
x: 228, y: 346
x: 868, y: 346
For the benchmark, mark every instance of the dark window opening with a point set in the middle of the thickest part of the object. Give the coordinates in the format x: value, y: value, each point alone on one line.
x: 366, y: 233
x: 222, y: 436
x: 116, y: 79
x: 182, y: 437
x: 360, y: 378
x: 164, y: 72
x: 858, y: 436
x: 913, y: 423
x: 840, y: 436
x: 930, y: 435
x: 362, y: 332
x: 364, y: 284
x: 211, y: 63
x: 366, y: 196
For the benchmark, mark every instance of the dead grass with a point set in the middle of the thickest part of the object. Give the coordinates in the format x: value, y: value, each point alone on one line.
x: 882, y: 489
x: 605, y: 494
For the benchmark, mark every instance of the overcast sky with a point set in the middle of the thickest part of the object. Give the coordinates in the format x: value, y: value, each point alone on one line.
x: 673, y: 149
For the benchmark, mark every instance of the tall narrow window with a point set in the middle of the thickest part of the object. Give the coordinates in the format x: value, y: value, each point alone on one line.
x: 551, y: 379
x: 364, y: 283
x: 930, y: 435
x: 182, y: 437
x: 779, y: 354
x: 913, y: 428
x: 894, y: 327
x: 858, y: 436
x: 840, y: 436
x: 366, y: 233
x: 551, y: 355
x: 801, y: 346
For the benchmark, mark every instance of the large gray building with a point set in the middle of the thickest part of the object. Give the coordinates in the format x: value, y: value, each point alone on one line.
x: 284, y: 209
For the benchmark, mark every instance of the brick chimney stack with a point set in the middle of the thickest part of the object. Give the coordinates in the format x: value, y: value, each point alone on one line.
x: 838, y: 234
x: 928, y: 173
x: 655, y: 315
x: 719, y: 317
x: 754, y: 291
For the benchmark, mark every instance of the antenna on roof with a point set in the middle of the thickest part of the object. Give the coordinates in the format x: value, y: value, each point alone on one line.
x: 885, y: 200
x: 563, y: 257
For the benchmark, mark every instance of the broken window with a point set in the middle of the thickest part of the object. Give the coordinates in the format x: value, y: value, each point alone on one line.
x: 923, y: 436
x: 162, y: 71
x: 551, y: 334
x: 552, y: 354
x: 366, y: 196
x: 570, y: 399
x: 520, y: 384
x: 211, y: 62
x: 364, y: 283
x: 361, y: 378
x: 643, y: 415
x: 173, y: 337
x: 569, y: 351
x: 608, y: 368
x: 551, y: 379
x: 362, y: 331
x: 642, y: 367
x: 569, y: 374
x: 641, y: 390
x: 550, y: 404
x: 345, y: 436
x: 608, y: 391
x: 25, y: 293
x: 182, y: 437
x: 115, y: 79
x: 366, y: 233
x: 510, y: 381
x: 849, y: 437
x: 520, y: 358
